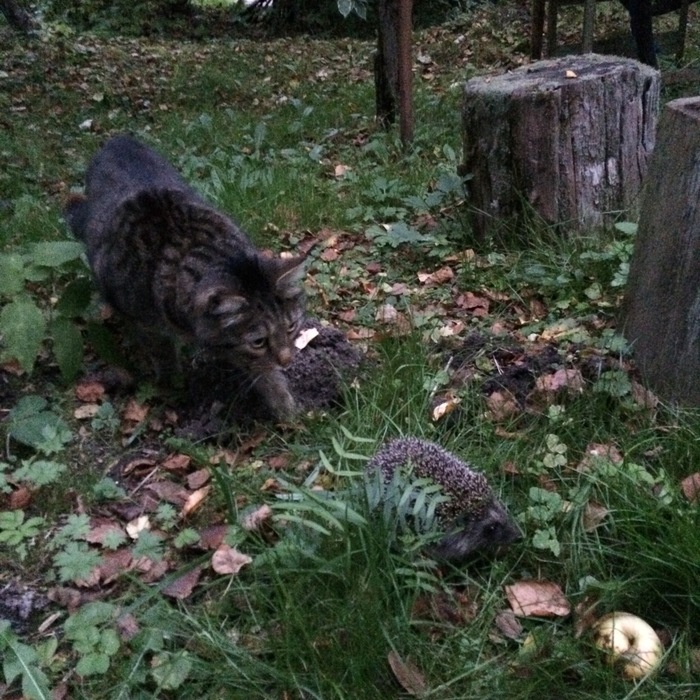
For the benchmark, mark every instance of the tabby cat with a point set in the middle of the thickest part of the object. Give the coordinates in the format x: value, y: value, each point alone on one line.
x: 171, y: 262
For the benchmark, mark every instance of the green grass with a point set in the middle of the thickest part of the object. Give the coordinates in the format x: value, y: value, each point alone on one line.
x: 260, y: 127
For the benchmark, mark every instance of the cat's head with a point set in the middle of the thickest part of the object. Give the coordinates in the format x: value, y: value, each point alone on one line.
x: 250, y: 314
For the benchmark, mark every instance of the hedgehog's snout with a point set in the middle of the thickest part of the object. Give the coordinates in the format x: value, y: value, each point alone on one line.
x: 492, y: 530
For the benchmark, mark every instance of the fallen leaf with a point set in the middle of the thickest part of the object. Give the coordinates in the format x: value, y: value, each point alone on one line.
x: 255, y: 519
x: 20, y: 498
x: 114, y: 564
x: 228, y: 560
x: 508, y: 624
x: 340, y: 170
x: 441, y: 276
x: 408, y: 675
x: 691, y: 487
x: 594, y: 514
x: 195, y: 500
x: 136, y: 526
x: 329, y: 255
x: 87, y: 410
x: 386, y: 314
x: 90, y: 392
x: 279, y: 461
x: 169, y: 491
x: 597, y: 453
x: 642, y: 396
x: 305, y: 337
x: 183, y: 586
x: 570, y: 74
x: 197, y: 479
x: 537, y: 599
x: 101, y: 529
x: 502, y: 405
x: 177, y: 463
x: 127, y: 626
x: 211, y: 537
x: 570, y: 379
x: 445, y: 408
x: 135, y: 412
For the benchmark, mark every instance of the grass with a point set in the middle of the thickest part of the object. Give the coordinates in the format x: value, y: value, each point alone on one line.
x: 330, y: 607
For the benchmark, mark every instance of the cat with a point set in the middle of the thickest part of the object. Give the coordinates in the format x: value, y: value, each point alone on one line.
x: 166, y: 259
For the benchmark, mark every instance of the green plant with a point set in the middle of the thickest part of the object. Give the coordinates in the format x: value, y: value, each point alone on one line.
x: 32, y: 315
x: 21, y: 661
x: 16, y: 532
x: 93, y: 636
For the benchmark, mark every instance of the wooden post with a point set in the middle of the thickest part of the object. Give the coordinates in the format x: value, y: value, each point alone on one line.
x: 393, y: 66
x: 661, y: 311
x: 568, y: 138
x: 405, y: 72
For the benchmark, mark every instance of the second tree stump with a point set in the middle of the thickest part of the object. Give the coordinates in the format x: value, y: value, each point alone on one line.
x: 568, y: 138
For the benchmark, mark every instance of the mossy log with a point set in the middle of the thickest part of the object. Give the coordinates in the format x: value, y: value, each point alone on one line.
x: 566, y: 138
x: 661, y: 309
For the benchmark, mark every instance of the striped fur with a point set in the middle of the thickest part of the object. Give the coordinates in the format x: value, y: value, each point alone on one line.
x: 169, y: 261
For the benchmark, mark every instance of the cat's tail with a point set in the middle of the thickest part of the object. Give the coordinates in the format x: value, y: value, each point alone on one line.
x: 75, y: 212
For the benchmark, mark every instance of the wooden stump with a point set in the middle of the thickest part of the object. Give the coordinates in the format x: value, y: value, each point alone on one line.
x: 661, y: 310
x: 569, y: 138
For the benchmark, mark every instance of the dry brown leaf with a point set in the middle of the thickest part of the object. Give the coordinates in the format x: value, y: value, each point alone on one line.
x: 127, y: 626
x: 305, y: 337
x: 169, y: 491
x: 502, y: 405
x: 101, y: 528
x: 279, y: 461
x: 87, y: 410
x: 90, y: 392
x: 340, y: 170
x: 643, y: 397
x: 257, y: 518
x: 211, y: 537
x: 444, y: 408
x: 137, y: 525
x: 197, y: 479
x: 508, y: 624
x: 597, y: 452
x: 452, y: 607
x: 386, y: 314
x: 194, y: 500
x: 408, y: 675
x: 691, y: 487
x: 135, y: 412
x: 151, y: 571
x: 441, y: 276
x: 228, y: 560
x: 183, y: 586
x: 594, y: 515
x: 360, y: 334
x: 537, y: 599
x: 20, y: 498
x: 569, y: 379
x: 114, y: 564
x: 177, y: 463
x: 479, y: 306
x: 347, y: 316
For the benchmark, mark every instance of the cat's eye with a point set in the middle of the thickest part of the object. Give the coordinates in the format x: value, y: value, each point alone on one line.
x: 292, y: 328
x: 258, y: 343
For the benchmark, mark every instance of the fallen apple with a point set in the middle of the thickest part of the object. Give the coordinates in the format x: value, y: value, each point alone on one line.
x: 627, y: 639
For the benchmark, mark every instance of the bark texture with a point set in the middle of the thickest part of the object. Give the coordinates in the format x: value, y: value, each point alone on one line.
x: 568, y: 138
x: 661, y: 310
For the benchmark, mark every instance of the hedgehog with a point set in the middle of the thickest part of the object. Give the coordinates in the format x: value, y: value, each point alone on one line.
x: 473, y: 518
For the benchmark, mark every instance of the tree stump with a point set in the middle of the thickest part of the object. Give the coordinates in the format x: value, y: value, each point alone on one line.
x: 568, y: 138
x: 661, y: 309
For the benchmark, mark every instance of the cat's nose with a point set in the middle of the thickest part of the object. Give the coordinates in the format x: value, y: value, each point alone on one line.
x: 284, y: 357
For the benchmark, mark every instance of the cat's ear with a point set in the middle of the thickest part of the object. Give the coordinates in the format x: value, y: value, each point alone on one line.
x: 290, y: 272
x: 216, y: 300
